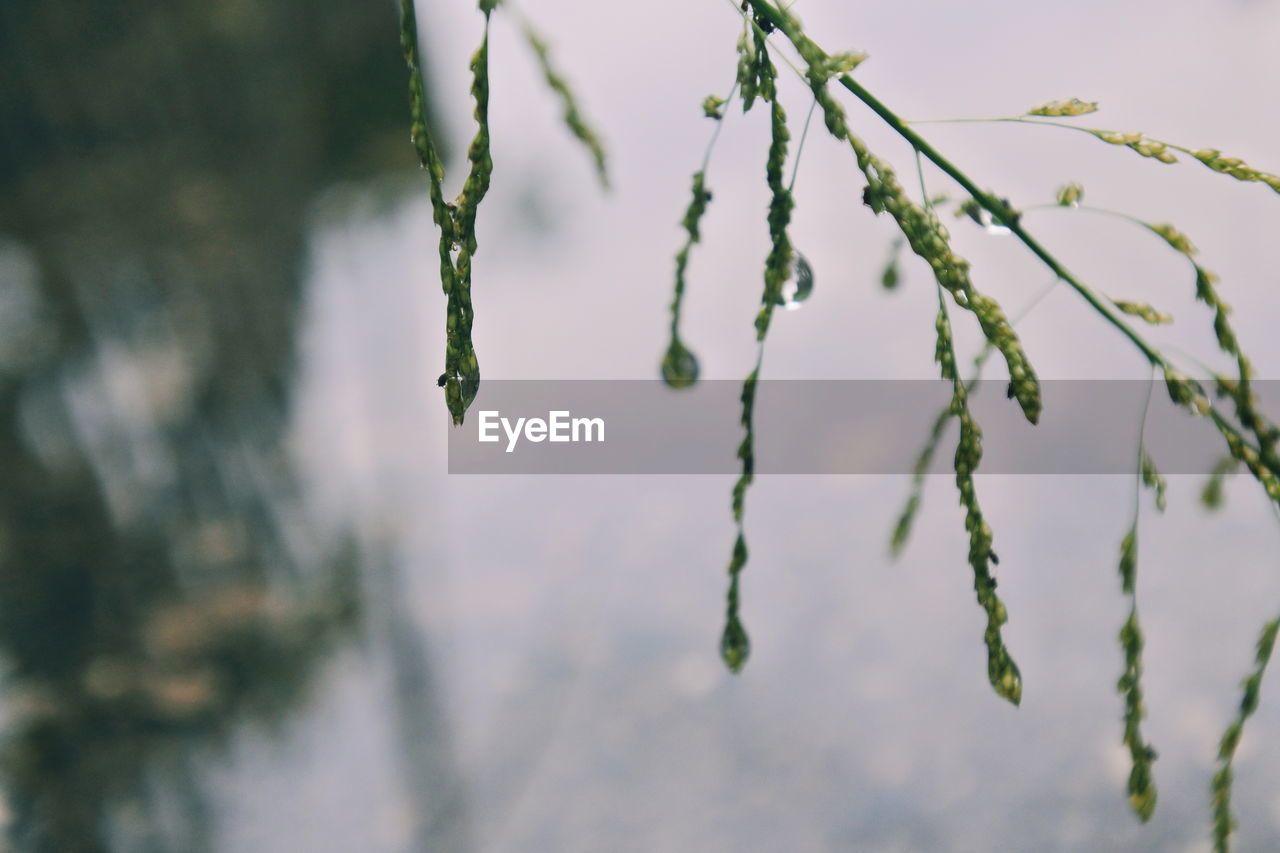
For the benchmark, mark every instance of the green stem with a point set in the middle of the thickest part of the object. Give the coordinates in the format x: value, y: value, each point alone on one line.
x: 1092, y: 131
x: 804, y: 135
x: 715, y: 134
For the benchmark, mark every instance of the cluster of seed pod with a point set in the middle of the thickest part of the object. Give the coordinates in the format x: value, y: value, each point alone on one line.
x: 1223, y: 820
x: 1175, y: 238
x: 1144, y: 145
x: 928, y: 238
x: 1249, y: 456
x: 1235, y: 167
x: 1262, y: 461
x: 462, y: 369
x: 1153, y: 479
x: 756, y: 75
x: 457, y: 220
x: 1141, y: 784
x: 756, y: 78
x: 1155, y: 148
x: 572, y: 115
x: 1186, y: 393
x: 1068, y: 107
x: 679, y: 365
x: 1143, y: 311
x: 1258, y: 460
x: 1212, y: 495
x: 1002, y: 672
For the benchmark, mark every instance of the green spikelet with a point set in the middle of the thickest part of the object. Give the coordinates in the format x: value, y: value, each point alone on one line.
x: 1142, y: 144
x: 1002, y: 672
x: 1223, y: 820
x: 1070, y: 195
x: 573, y: 119
x: 1141, y: 784
x: 457, y: 220
x: 1141, y: 787
x: 755, y: 69
x: 1153, y: 479
x: 462, y: 369
x: 1069, y: 107
x: 1143, y: 311
x: 735, y: 646
x: 679, y: 365
x: 891, y: 275
x: 1235, y: 167
x: 1211, y: 495
x: 902, y: 529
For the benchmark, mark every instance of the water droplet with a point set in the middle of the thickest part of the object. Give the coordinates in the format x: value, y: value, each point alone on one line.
x: 983, y: 217
x: 1070, y: 195
x: 679, y: 366
x: 735, y: 647
x: 989, y: 224
x: 890, y: 277
x: 470, y: 381
x: 799, y: 286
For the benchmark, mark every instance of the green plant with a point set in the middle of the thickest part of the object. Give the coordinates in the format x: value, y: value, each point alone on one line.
x: 457, y: 219
x: 1228, y: 402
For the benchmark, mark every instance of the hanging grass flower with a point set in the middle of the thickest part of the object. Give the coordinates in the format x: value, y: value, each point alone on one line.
x: 1069, y: 107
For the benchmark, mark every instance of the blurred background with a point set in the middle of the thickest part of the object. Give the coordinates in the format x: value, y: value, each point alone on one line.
x: 243, y: 607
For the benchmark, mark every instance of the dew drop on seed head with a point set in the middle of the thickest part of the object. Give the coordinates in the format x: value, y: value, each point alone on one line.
x: 679, y: 366
x: 989, y: 223
x: 799, y: 287
x: 735, y: 646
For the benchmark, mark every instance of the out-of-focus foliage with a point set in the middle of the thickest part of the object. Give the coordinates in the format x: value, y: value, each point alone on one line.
x: 157, y: 583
